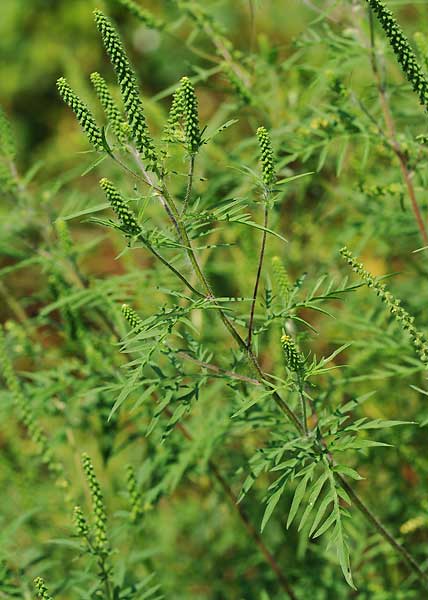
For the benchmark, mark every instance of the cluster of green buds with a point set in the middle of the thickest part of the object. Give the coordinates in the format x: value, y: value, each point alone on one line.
x: 112, y: 112
x: 131, y: 316
x: 83, y: 114
x: 266, y: 155
x: 402, y: 317
x: 119, y: 205
x: 402, y: 49
x: 80, y: 523
x: 129, y: 89
x: 282, y: 281
x: 26, y: 415
x: 41, y: 589
x: 294, y: 358
x: 98, y: 508
x: 142, y: 15
x: 190, y: 115
x: 134, y: 495
x: 183, y: 119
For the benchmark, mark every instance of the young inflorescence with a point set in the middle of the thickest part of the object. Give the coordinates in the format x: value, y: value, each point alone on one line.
x: 124, y: 213
x: 293, y: 357
x: 402, y: 317
x: 134, y: 495
x: 99, y: 511
x: 142, y: 15
x: 190, y: 115
x: 282, y: 280
x: 131, y: 316
x: 80, y: 523
x: 82, y: 112
x: 267, y: 159
x: 129, y: 89
x: 402, y: 49
x: 183, y: 119
x: 41, y: 589
x: 111, y: 110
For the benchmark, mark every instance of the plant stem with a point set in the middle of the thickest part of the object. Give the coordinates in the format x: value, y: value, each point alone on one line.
x: 390, y: 126
x: 189, y: 184
x: 259, y: 272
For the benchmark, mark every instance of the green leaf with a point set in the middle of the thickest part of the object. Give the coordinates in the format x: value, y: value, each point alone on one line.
x: 298, y: 496
x: 273, y: 501
x: 316, y: 490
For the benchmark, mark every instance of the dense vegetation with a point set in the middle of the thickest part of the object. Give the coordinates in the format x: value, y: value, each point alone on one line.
x: 213, y: 291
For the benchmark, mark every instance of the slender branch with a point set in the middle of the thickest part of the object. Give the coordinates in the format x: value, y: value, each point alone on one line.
x: 390, y: 126
x: 189, y: 184
x: 259, y: 272
x: 165, y: 262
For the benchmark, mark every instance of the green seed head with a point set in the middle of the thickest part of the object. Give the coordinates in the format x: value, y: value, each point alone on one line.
x: 111, y: 110
x: 120, y: 207
x: 402, y: 49
x: 293, y: 356
x: 190, y: 115
x: 98, y: 508
x: 131, y: 316
x: 128, y: 87
x: 266, y: 156
x: 41, y: 589
x: 82, y: 112
x: 403, y: 318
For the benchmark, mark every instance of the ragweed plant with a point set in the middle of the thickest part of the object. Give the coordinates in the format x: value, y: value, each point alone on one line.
x: 172, y: 332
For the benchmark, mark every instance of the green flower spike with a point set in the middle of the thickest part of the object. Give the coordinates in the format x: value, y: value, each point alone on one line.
x: 266, y: 153
x: 120, y: 207
x: 41, y: 589
x: 101, y: 542
x: 403, y: 318
x: 111, y: 110
x: 82, y: 112
x: 131, y: 316
x: 293, y: 357
x: 190, y: 115
x: 402, y: 49
x: 128, y: 87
